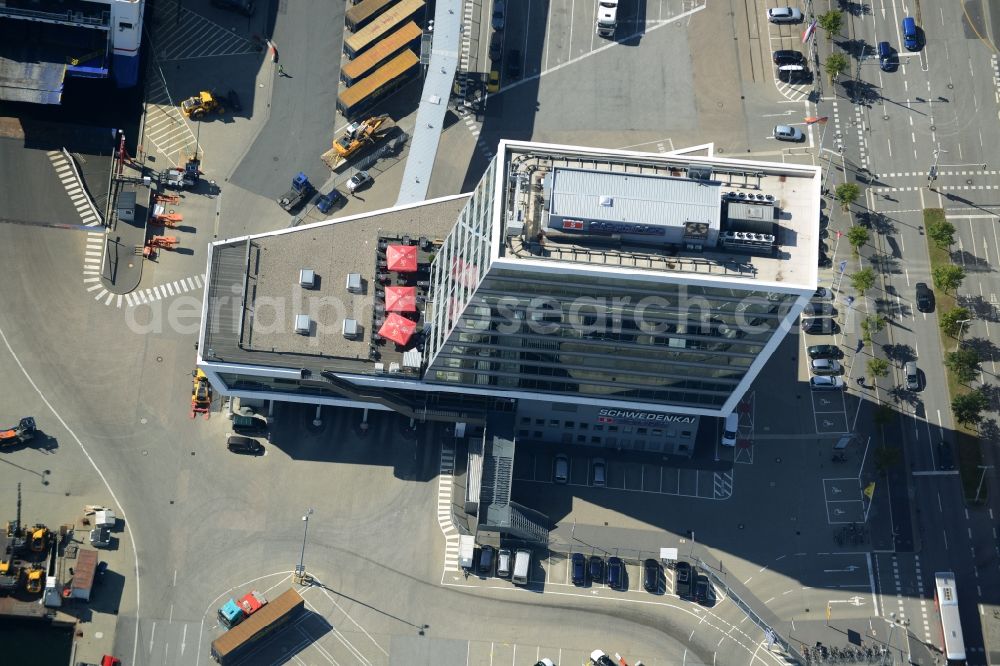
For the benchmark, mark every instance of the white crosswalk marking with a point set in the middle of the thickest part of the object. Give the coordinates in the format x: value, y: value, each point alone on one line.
x: 101, y: 295
x: 445, y: 489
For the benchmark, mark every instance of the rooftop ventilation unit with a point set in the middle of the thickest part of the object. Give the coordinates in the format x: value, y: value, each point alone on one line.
x: 607, y: 201
x: 307, y: 278
x: 354, y: 283
x: 699, y: 173
x: 351, y: 329
x: 303, y: 324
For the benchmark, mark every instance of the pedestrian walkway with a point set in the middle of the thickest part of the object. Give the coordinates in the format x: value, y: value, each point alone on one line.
x: 165, y: 127
x: 445, y: 489
x: 73, y: 184
x: 181, y: 34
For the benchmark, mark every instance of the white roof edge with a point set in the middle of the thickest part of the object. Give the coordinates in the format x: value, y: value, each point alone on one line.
x: 339, y: 220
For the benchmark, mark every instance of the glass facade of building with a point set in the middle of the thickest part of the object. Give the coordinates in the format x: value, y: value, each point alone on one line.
x: 599, y: 336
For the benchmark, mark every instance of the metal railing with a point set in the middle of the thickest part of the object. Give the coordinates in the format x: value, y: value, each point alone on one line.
x: 67, y: 18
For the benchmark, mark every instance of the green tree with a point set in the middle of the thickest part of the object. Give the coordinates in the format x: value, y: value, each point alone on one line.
x: 942, y: 233
x: 857, y: 237
x: 948, y: 277
x: 863, y: 280
x: 968, y: 408
x: 831, y: 22
x: 877, y: 367
x: 847, y: 194
x: 872, y: 325
x: 835, y: 65
x: 951, y: 320
x: 964, y: 363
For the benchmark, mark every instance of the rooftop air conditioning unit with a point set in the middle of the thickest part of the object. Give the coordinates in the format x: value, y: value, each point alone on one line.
x: 307, y: 278
x: 607, y: 201
x: 303, y: 324
x: 350, y: 329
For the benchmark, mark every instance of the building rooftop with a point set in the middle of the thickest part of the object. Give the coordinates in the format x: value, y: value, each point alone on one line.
x: 254, y: 291
x: 685, y: 216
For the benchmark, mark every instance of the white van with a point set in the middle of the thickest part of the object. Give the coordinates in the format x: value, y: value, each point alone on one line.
x: 729, y: 430
x: 522, y: 565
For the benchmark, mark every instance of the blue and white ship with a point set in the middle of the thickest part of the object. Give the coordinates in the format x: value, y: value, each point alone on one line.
x: 42, y: 42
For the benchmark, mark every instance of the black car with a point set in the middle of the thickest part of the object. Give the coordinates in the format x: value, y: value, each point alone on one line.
x: 579, y: 569
x: 925, y: 297
x: 245, y: 445
x: 256, y: 428
x: 817, y: 326
x: 487, y: 556
x: 824, y: 351
x: 596, y: 568
x: 682, y: 576
x: 945, y: 459
x: 244, y: 7
x: 616, y: 573
x: 496, y: 46
x: 818, y: 310
x: 788, y: 57
x: 514, y: 64
x: 651, y: 575
x: 703, y: 591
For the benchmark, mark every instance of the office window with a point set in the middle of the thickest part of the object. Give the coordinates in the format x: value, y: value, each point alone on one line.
x: 657, y: 432
x: 553, y: 423
x: 612, y: 428
x: 525, y: 420
x: 570, y: 424
x: 539, y: 422
x: 584, y: 426
x: 523, y: 433
x: 595, y: 440
x: 626, y: 428
x: 640, y: 431
x: 598, y: 428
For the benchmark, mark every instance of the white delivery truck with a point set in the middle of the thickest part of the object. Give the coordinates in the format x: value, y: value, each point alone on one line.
x: 466, y: 550
x: 522, y: 566
x: 607, y: 18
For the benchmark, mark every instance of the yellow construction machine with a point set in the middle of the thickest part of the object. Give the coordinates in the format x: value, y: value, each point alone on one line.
x: 39, y: 538
x: 201, y: 394
x: 36, y: 579
x: 201, y: 105
x: 356, y: 136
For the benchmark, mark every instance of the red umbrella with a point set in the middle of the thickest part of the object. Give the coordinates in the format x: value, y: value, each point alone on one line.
x: 398, y: 329
x: 401, y: 299
x: 401, y: 258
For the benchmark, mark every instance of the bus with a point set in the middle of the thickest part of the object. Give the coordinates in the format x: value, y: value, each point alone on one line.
x: 366, y: 38
x: 378, y: 55
x: 235, y: 643
x: 365, y: 12
x: 371, y: 89
x: 946, y: 602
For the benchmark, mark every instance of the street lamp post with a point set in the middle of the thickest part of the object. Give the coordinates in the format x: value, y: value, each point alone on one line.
x: 961, y: 327
x: 982, y: 477
x: 300, y: 569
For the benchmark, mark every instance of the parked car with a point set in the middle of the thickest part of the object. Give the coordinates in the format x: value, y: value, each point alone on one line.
x: 359, y: 181
x: 817, y: 325
x: 651, y: 575
x: 499, y: 14
x: 599, y: 472
x: 703, y: 591
x: 788, y: 57
x: 244, y: 445
x: 616, y: 573
x: 598, y: 658
x: 544, y: 661
x: 824, y: 351
x: 514, y: 64
x: 818, y: 310
x: 256, y: 428
x: 822, y: 294
x: 825, y: 366
x: 925, y: 298
x: 486, y: 560
x: 794, y: 74
x: 912, y: 375
x: 683, y: 585
x: 788, y: 133
x: 244, y: 7
x: 579, y: 569
x: 596, y: 568
x: 504, y: 559
x: 784, y: 15
x: 496, y: 46
x: 826, y: 383
x: 886, y: 57
x: 560, y: 468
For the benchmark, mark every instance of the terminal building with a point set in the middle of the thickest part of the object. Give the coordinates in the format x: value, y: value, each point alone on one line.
x: 595, y: 297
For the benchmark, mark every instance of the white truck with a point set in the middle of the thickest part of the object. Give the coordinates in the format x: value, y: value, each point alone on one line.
x: 607, y: 18
x: 466, y: 550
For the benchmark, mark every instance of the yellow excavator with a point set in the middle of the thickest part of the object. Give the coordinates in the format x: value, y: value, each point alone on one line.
x: 201, y: 394
x: 39, y: 538
x: 36, y: 579
x: 201, y: 105
x: 357, y: 136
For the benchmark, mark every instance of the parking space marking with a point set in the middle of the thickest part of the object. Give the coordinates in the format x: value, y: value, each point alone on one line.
x: 165, y: 126
x: 181, y: 34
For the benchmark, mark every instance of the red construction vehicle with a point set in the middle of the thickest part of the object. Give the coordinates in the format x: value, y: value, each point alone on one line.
x: 23, y: 432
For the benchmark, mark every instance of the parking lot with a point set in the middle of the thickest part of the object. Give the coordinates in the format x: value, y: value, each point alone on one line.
x: 649, y: 476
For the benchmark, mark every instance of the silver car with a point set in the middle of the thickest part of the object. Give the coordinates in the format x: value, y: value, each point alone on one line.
x: 788, y: 133
x: 825, y: 366
x: 826, y: 383
x: 359, y: 180
x: 784, y: 15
